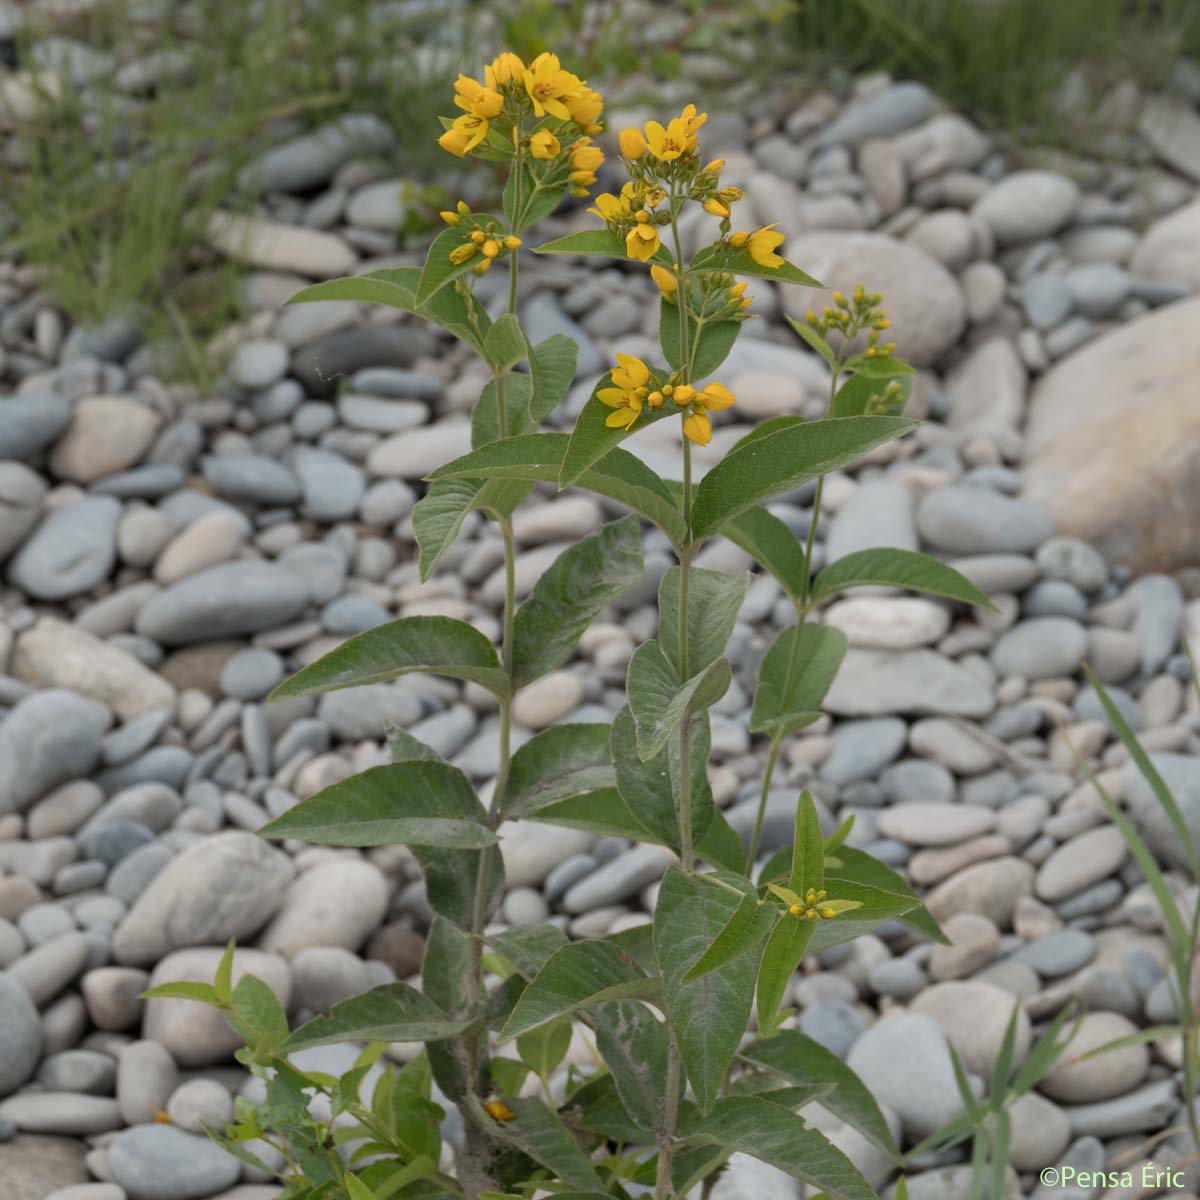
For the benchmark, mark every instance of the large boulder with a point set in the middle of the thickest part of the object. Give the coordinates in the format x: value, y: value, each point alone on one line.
x: 1113, y: 442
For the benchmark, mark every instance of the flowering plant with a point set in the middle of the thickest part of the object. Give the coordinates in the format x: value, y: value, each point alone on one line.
x: 665, y: 1007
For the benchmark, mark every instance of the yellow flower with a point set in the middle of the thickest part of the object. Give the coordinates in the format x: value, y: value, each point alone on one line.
x: 491, y: 248
x: 465, y: 134
x: 497, y: 1109
x: 586, y: 157
x: 762, y: 243
x: 610, y: 208
x: 653, y: 195
x: 692, y: 120
x: 463, y: 253
x: 668, y: 284
x: 471, y: 96
x: 544, y: 144
x: 504, y: 68
x: 714, y: 397
x: 738, y: 240
x: 642, y: 242
x: 683, y: 394
x: 631, y: 372
x: 585, y: 106
x: 670, y: 143
x: 547, y: 84
x: 716, y: 207
x: 633, y: 144
x: 697, y: 428
x: 450, y: 217
x: 715, y: 167
x: 512, y: 242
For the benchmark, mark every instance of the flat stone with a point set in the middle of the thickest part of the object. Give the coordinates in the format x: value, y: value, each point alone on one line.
x: 923, y: 300
x: 21, y: 495
x: 925, y: 824
x: 889, y: 622
x: 146, y: 1077
x: 223, y: 602
x: 986, y: 391
x: 227, y: 886
x: 618, y: 879
x: 878, y: 512
x: 200, y: 1102
x: 335, y: 904
x: 415, y: 452
x: 990, y: 889
x: 1041, y: 648
x: 1106, y: 470
x: 883, y: 683
x: 160, y: 1162
x: 61, y: 1113
x: 861, y: 749
x: 276, y: 246
x: 1172, y: 127
x: 20, y: 1037
x: 48, y: 968
x: 332, y: 487
x: 974, y: 1017
x: 70, y: 552
x: 1107, y: 1075
x: 1181, y: 774
x: 252, y: 478
x: 30, y: 422
x: 48, y: 738
x: 970, y: 520
x: 883, y: 114
x: 212, y: 538
x: 1080, y: 863
x: 306, y: 162
x: 1169, y: 251
x: 1059, y: 953
x: 53, y: 654
x: 33, y: 1166
x: 1027, y: 205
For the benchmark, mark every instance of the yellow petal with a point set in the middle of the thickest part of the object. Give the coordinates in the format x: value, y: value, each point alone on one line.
x: 698, y: 428
x: 620, y: 419
x: 613, y: 397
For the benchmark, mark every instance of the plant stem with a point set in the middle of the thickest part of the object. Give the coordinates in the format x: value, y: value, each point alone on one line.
x: 756, y: 836
x: 682, y: 299
x: 687, y: 855
x: 664, y: 1188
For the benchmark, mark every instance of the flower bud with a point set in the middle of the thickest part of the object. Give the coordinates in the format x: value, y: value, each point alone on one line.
x: 632, y: 143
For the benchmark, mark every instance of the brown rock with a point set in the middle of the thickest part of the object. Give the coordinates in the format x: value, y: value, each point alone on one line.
x: 32, y: 1166
x: 1113, y: 441
x: 199, y: 666
x: 402, y: 949
x: 107, y: 434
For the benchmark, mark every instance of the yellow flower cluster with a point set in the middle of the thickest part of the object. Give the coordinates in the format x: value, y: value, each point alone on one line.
x: 632, y: 213
x: 486, y: 239
x: 509, y: 86
x: 666, y: 144
x: 631, y: 392
x: 852, y: 316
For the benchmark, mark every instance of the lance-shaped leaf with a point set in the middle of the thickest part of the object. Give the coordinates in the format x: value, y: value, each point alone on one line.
x: 438, y: 269
x: 602, y: 242
x: 505, y: 344
x: 537, y: 1130
x: 897, y: 568
x: 785, y: 948
x: 708, y: 1015
x: 802, y: 1061
x: 527, y: 947
x: 714, y: 600
x: 633, y: 1043
x: 578, y: 975
x: 560, y: 762
x: 412, y: 803
x: 600, y: 1110
x: 659, y: 702
x: 808, y: 848
x: 403, y: 747
x: 726, y: 259
x: 772, y: 545
x: 708, y: 343
x: 538, y: 456
x: 528, y: 399
x: 392, y: 1013
x: 769, y: 1132
x: 857, y: 867
x: 552, y: 368
x: 485, y: 416
x: 451, y: 877
x: 736, y: 937
x: 794, y: 675
x: 574, y: 590
x: 650, y: 787
x: 446, y: 966
x: 439, y: 645
x: 438, y: 516
x: 783, y: 460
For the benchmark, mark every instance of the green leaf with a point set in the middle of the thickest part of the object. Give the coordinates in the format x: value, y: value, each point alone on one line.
x: 650, y: 787
x: 552, y: 367
x: 772, y: 545
x: 709, y: 342
x: 808, y: 848
x: 573, y: 591
x: 714, y: 601
x: 592, y: 439
x: 367, y: 289
x: 618, y: 475
x: 736, y: 937
x: 633, y: 1043
x: 527, y: 947
x: 659, y: 702
x: 783, y: 461
x: 815, y: 341
x: 857, y: 875
x: 785, y: 948
x: 897, y: 568
x: 485, y: 417
x: 223, y: 980
x: 800, y: 1060
x: 543, y: 1048
x: 596, y: 241
x: 392, y: 1013
x: 576, y: 976
x: 1046, y: 1050
x: 560, y: 762
x: 738, y: 262
x: 505, y: 344
x: 202, y: 993
x: 403, y: 747
x: 537, y: 1131
x: 357, y: 1190
x: 411, y: 803
x: 256, y: 1004
x: 438, y: 516
x: 446, y: 967
x: 863, y: 394
x: 450, y: 880
x: 436, y: 644
x: 438, y: 269
x: 794, y: 675
x: 771, y: 1133
x: 709, y: 1015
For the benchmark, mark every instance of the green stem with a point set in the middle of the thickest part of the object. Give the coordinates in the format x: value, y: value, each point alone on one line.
x: 687, y: 855
x: 664, y: 1188
x: 681, y: 293
x: 756, y: 836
